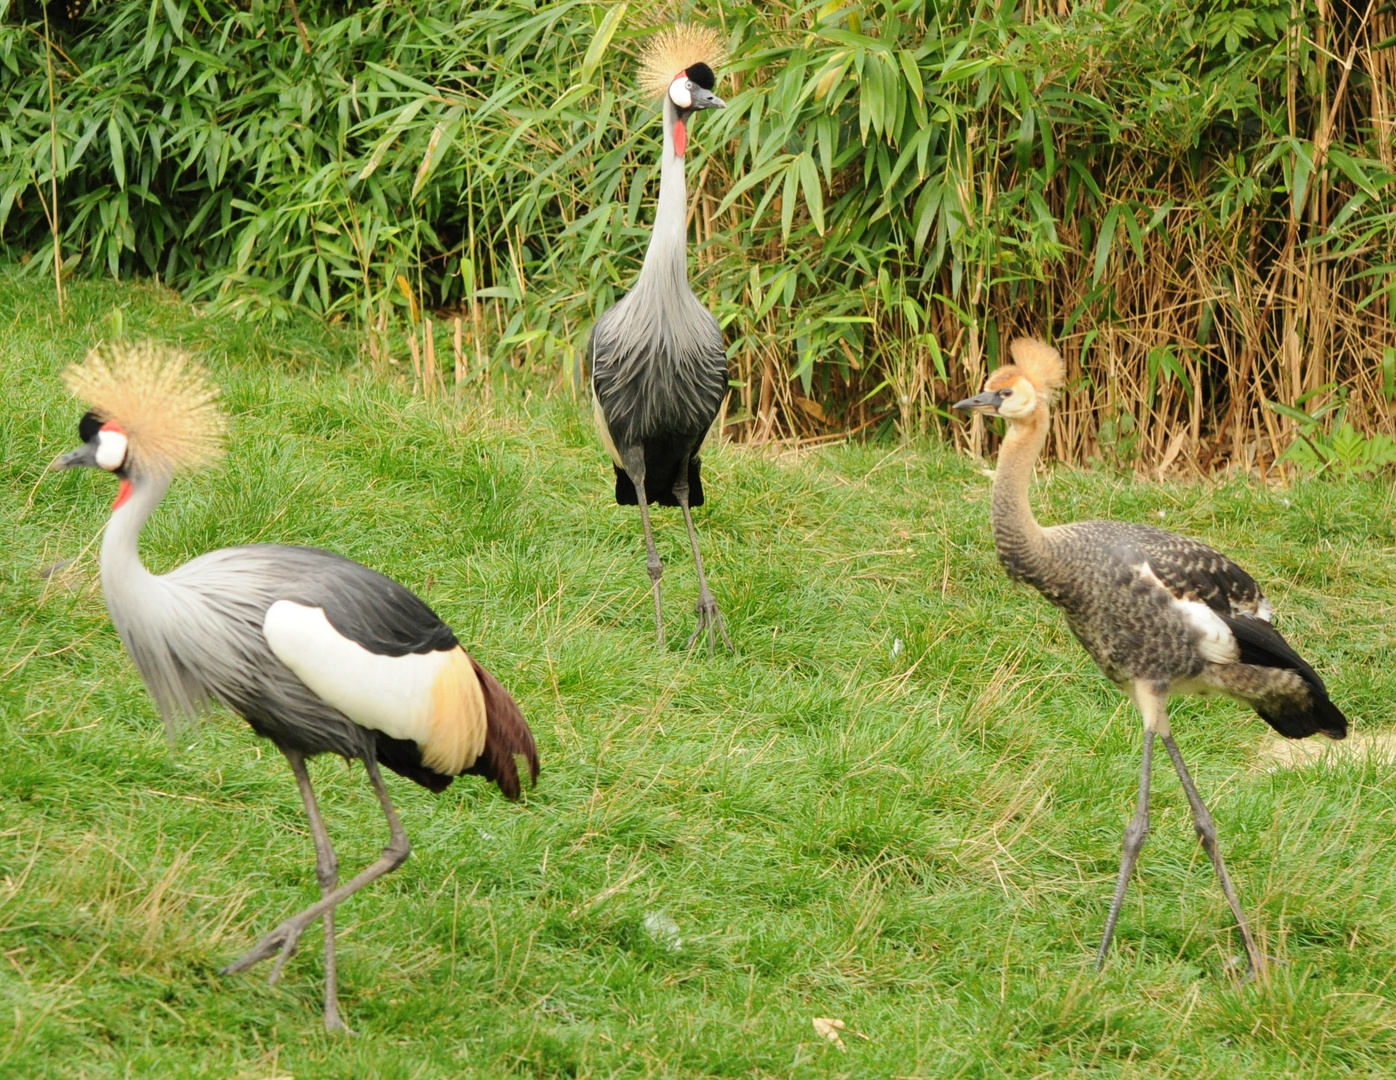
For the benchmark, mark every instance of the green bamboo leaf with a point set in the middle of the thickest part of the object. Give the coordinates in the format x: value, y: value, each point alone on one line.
x: 752, y: 178
x: 1300, y: 170
x: 399, y: 125
x: 1135, y: 233
x: 926, y: 212
x: 610, y: 22
x: 437, y: 145
x: 912, y: 73
x: 118, y: 156
x: 787, y: 198
x: 1103, y: 242
x: 1297, y: 415
x: 814, y: 195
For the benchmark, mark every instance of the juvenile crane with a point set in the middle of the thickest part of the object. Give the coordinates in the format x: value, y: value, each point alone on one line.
x: 318, y: 653
x: 1161, y: 614
x: 658, y: 362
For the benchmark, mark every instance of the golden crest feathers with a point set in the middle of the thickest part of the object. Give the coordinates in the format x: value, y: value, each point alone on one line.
x: 161, y: 399
x: 675, y: 49
x: 1041, y: 364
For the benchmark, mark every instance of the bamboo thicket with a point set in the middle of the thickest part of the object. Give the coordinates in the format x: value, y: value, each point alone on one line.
x: 1196, y: 203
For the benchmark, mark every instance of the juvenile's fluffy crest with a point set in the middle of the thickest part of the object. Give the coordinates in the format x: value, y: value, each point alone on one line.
x: 159, y: 397
x: 676, y: 49
x: 1041, y: 364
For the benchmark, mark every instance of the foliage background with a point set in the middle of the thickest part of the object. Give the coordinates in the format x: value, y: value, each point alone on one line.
x: 1196, y: 202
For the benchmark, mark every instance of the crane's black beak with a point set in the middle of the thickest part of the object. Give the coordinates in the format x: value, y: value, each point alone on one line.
x: 84, y: 456
x: 705, y: 99
x: 989, y: 401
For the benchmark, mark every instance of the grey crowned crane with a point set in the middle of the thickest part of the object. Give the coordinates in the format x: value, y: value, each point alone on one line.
x: 318, y: 653
x: 1161, y: 614
x: 658, y: 362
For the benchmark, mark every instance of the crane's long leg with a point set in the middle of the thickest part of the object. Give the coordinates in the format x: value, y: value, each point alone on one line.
x: 327, y: 871
x: 1207, y: 833
x: 285, y: 937
x: 656, y: 568
x: 1152, y: 701
x: 1135, y: 834
x: 709, y: 618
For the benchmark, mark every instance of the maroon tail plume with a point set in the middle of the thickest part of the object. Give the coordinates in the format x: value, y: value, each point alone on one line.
x: 506, y: 735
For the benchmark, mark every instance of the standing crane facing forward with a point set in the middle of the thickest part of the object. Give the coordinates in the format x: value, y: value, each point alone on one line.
x: 1161, y: 614
x: 658, y: 362
x: 318, y: 653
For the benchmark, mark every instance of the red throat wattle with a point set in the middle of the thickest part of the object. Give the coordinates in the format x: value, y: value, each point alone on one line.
x: 680, y: 137
x: 123, y: 494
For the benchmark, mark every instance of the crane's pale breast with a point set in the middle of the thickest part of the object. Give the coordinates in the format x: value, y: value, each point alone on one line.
x: 432, y: 698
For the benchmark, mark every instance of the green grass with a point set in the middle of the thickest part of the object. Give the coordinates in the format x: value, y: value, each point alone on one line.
x: 917, y: 838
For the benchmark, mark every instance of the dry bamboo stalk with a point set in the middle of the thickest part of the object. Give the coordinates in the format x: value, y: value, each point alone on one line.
x: 428, y: 359
x: 457, y: 353
x: 416, y: 351
x: 477, y: 336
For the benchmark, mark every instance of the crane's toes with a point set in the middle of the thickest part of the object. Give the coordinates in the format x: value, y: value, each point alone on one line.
x: 334, y: 1023
x: 710, y: 620
x: 284, y: 940
x: 1253, y: 972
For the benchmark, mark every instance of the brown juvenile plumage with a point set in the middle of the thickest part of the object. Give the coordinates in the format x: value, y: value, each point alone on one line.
x: 1040, y: 364
x: 1160, y: 614
x: 159, y: 397
x: 676, y: 49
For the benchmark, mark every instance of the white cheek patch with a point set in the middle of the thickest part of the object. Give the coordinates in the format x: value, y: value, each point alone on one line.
x: 111, y: 449
x: 680, y: 94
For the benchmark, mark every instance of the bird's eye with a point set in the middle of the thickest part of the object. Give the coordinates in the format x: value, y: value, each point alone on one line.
x: 1006, y: 393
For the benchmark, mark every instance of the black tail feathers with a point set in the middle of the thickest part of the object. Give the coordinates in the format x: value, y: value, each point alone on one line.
x: 1298, y: 719
x: 404, y: 757
x: 660, y: 489
x: 1278, y: 683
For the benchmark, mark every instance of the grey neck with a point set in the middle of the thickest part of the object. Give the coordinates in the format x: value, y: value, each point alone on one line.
x: 124, y: 576
x: 666, y: 260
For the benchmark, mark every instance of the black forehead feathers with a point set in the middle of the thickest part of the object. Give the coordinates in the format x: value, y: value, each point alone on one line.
x: 88, y: 426
x: 701, y: 75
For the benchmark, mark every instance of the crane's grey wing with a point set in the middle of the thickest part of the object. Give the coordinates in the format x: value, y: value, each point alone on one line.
x: 1193, y: 571
x: 368, y: 608
x: 334, y: 657
x: 205, y: 638
x: 196, y: 636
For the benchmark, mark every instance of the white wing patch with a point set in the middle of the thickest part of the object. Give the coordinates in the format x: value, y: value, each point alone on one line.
x: 391, y: 694
x: 1215, y: 640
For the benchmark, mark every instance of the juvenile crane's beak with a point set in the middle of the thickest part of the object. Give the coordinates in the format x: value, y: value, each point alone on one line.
x: 988, y: 401
x: 706, y: 99
x: 84, y: 456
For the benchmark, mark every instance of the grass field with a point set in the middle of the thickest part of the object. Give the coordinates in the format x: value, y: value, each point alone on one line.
x: 899, y: 803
